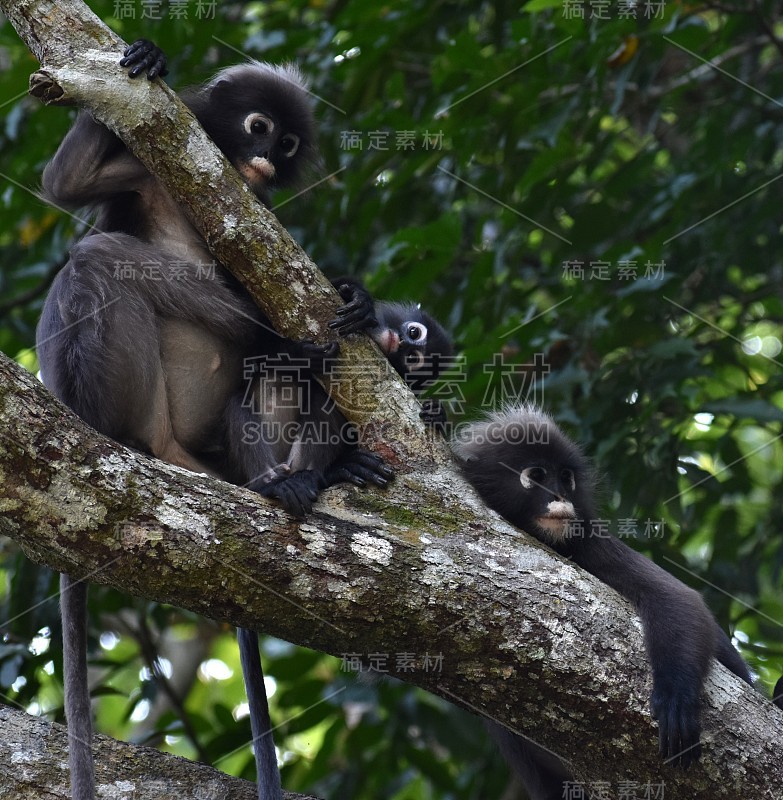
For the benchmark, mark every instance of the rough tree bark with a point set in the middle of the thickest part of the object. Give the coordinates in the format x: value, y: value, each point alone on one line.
x: 34, y: 766
x: 421, y: 569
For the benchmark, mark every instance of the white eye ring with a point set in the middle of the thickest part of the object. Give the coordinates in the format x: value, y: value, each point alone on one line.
x: 294, y: 147
x: 419, y: 332
x: 531, y: 476
x: 251, y: 120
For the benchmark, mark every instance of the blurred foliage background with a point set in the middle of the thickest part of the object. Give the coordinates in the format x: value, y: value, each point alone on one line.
x: 587, y: 194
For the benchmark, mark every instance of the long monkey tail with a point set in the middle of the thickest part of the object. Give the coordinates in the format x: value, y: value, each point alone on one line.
x: 73, y: 609
x: 269, y: 787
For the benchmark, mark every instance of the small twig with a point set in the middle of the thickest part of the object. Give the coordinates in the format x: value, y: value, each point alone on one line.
x: 150, y: 654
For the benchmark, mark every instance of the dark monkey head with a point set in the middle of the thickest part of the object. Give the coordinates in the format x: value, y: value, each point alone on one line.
x: 529, y: 471
x: 261, y: 117
x: 416, y: 345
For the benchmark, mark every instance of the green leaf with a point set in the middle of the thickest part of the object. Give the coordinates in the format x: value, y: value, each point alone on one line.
x: 541, y: 5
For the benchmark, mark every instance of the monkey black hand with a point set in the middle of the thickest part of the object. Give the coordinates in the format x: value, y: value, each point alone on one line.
x: 358, y: 313
x: 144, y: 56
x: 675, y: 704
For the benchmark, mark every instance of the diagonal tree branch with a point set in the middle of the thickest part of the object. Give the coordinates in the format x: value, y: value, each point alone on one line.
x: 79, y: 57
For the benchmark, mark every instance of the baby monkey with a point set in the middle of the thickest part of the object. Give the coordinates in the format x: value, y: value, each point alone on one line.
x: 525, y: 468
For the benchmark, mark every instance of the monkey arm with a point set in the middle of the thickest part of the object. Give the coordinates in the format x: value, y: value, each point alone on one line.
x: 679, y: 633
x: 91, y: 165
x: 110, y: 168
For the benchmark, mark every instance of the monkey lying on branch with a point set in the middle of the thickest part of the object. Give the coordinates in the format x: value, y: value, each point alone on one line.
x: 525, y: 468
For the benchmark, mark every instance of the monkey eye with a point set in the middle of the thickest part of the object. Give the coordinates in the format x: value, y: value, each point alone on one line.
x: 258, y: 124
x: 289, y: 144
x: 532, y: 476
x: 567, y: 476
x: 414, y: 359
x: 416, y: 331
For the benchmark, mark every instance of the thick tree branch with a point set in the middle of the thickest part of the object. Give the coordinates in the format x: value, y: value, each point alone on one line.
x: 34, y: 765
x: 524, y: 637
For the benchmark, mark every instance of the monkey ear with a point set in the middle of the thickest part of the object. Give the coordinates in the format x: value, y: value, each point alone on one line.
x: 219, y: 87
x: 462, y: 447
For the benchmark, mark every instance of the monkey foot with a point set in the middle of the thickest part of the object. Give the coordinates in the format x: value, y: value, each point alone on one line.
x: 359, y: 467
x: 296, y: 493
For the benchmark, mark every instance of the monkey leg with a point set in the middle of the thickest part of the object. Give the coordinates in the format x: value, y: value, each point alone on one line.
x: 276, y: 428
x: 326, y: 444
x: 259, y: 428
x: 255, y: 439
x: 100, y: 351
x: 97, y: 343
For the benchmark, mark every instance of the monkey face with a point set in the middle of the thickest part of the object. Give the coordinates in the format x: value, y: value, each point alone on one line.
x: 545, y: 496
x: 415, y: 343
x: 548, y: 504
x: 269, y: 151
x: 525, y: 468
x: 260, y: 116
